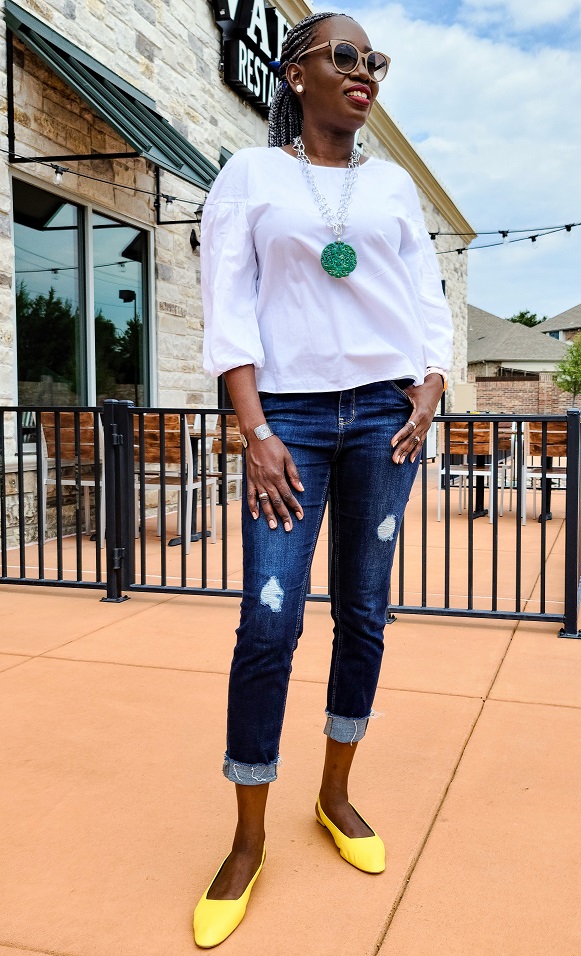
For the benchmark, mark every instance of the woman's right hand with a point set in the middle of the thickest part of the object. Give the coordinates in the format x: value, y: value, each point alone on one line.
x: 271, y: 470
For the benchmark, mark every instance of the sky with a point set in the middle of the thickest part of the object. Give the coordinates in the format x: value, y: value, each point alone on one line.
x: 489, y: 93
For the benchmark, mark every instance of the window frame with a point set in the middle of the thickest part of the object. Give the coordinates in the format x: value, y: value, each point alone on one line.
x: 86, y: 209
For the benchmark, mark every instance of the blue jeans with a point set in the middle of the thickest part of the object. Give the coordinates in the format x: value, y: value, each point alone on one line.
x: 340, y: 443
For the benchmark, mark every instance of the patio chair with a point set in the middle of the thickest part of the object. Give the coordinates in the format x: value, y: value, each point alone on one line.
x: 555, y: 447
x: 482, y: 445
x: 76, y: 455
x: 233, y: 447
x: 172, y: 468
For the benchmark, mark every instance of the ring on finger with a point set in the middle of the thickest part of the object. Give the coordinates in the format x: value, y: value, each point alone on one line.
x: 417, y: 439
x: 413, y: 424
x: 264, y: 495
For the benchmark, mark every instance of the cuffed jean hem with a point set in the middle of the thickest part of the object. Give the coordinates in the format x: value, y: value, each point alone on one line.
x: 345, y: 730
x: 250, y: 774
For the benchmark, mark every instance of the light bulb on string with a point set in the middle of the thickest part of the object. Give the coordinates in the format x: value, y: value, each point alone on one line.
x: 169, y: 201
x: 58, y: 174
x: 504, y: 234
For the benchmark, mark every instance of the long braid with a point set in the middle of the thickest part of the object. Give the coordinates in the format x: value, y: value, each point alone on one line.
x: 285, y: 120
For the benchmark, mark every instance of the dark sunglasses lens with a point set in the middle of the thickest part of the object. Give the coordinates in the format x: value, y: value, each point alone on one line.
x: 377, y: 65
x: 345, y: 57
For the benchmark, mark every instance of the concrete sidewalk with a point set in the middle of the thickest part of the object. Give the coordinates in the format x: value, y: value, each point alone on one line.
x: 115, y: 813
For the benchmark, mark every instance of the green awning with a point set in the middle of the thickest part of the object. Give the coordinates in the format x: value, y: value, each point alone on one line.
x: 126, y: 109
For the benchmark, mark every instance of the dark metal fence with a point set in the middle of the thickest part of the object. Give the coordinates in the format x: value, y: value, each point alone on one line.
x: 51, y: 477
x: 87, y: 496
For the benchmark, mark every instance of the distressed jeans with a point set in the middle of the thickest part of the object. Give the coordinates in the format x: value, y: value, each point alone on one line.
x: 340, y: 443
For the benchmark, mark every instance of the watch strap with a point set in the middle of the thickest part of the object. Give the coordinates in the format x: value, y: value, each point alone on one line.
x: 439, y: 371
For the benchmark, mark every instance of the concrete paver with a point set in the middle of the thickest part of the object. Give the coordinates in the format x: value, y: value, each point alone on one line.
x: 118, y: 814
x: 500, y: 869
x: 16, y: 951
x: 197, y: 633
x: 33, y: 621
x: 185, y: 632
x: 11, y: 660
x: 541, y: 668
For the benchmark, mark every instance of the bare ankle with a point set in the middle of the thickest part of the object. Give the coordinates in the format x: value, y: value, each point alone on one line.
x: 248, y: 843
x: 333, y: 794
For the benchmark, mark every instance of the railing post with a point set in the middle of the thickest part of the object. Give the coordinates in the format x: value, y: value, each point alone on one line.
x: 126, y: 511
x: 572, y: 528
x: 114, y: 540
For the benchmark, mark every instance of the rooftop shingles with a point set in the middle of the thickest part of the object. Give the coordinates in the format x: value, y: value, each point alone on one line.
x: 491, y: 338
x: 571, y: 319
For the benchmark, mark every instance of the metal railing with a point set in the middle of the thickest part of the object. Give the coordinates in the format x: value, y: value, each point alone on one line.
x: 57, y: 453
x: 129, y: 468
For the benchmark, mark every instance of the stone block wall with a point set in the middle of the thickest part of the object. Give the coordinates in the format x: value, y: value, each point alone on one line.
x: 22, y: 503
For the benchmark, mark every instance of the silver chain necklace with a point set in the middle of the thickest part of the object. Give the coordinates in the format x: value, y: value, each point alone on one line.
x: 338, y: 258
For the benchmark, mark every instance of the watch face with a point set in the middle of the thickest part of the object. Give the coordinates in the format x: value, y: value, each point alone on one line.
x: 263, y: 431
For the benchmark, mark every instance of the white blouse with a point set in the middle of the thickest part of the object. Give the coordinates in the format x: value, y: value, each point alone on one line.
x: 268, y: 302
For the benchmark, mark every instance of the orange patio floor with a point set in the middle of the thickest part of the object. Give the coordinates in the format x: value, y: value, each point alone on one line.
x: 115, y: 814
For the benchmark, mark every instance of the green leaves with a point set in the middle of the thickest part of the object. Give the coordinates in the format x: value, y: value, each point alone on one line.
x: 568, y: 376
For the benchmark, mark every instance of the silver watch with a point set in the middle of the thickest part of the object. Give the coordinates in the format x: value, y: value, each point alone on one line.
x: 261, y: 431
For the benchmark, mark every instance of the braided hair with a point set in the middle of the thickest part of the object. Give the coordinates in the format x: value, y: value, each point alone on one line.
x: 285, y: 120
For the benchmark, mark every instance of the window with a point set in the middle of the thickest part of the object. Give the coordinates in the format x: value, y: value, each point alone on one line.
x: 119, y: 267
x: 65, y: 357
x: 50, y: 326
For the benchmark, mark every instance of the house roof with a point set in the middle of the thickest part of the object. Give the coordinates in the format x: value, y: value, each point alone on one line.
x: 491, y: 338
x: 571, y: 319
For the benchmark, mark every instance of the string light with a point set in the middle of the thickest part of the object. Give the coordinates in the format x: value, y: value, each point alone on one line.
x: 535, y: 234
x: 549, y: 231
x: 107, y: 182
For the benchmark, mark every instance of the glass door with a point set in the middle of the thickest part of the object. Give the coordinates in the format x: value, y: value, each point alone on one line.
x: 50, y: 328
x: 121, y: 321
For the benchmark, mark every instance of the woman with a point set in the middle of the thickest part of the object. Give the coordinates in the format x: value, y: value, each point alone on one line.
x: 334, y: 337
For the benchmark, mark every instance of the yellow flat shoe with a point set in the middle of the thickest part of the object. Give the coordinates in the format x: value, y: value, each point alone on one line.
x: 214, y: 920
x: 366, y: 853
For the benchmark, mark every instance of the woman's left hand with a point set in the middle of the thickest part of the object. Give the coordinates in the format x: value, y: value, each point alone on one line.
x: 409, y: 440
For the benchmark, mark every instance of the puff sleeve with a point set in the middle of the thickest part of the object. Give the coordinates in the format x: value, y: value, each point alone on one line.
x: 422, y: 263
x: 229, y: 275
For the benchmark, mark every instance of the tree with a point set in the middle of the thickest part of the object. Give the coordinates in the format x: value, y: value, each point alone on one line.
x: 526, y: 318
x: 48, y: 329
x: 568, y: 376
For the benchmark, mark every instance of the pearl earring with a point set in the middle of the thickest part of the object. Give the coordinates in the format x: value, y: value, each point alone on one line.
x: 300, y: 88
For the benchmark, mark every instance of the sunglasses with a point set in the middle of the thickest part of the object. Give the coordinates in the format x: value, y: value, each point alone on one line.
x: 346, y: 58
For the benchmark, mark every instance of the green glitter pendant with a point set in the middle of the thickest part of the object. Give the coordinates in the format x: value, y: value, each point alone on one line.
x: 338, y: 259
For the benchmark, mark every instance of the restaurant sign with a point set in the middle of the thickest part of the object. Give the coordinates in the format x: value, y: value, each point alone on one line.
x: 252, y: 35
